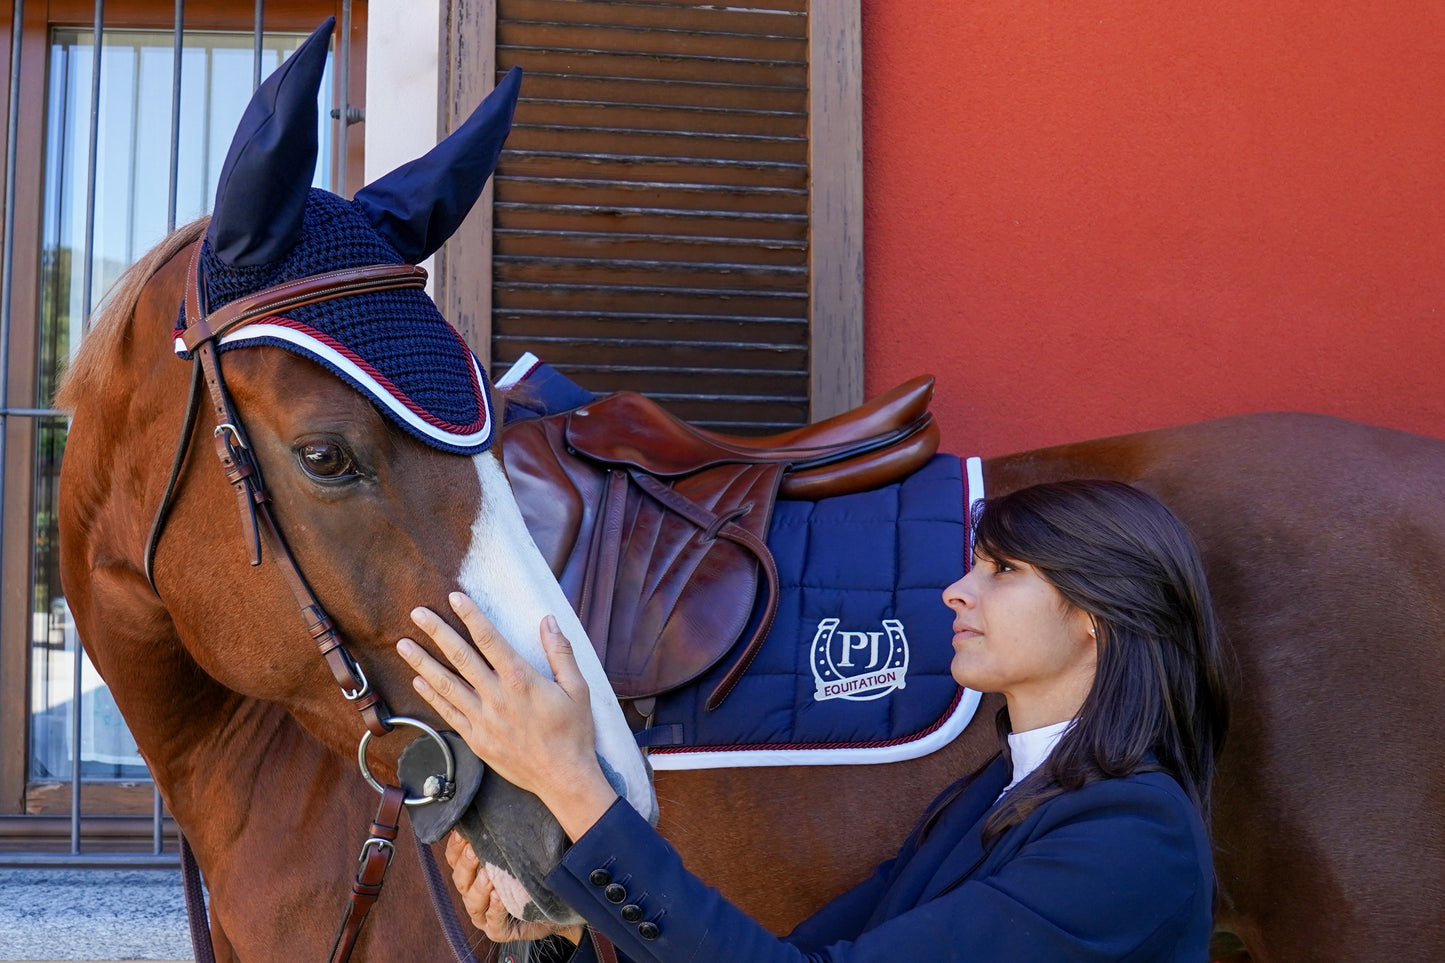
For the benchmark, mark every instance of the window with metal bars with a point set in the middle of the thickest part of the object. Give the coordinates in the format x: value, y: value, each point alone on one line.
x: 87, y: 192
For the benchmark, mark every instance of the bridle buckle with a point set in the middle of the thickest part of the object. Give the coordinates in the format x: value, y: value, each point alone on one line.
x: 359, y: 675
x: 226, y: 428
x: 376, y: 842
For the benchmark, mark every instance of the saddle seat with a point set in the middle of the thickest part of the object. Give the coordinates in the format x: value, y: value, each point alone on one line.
x: 870, y: 446
x: 656, y: 529
x: 887, y: 413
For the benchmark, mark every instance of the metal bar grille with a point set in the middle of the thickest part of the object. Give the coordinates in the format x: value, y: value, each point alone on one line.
x: 97, y: 841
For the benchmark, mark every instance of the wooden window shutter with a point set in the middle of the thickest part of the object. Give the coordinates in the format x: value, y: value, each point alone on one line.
x: 651, y: 213
x: 653, y: 224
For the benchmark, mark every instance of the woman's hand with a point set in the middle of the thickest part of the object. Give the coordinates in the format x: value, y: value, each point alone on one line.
x: 485, y: 907
x: 533, y: 732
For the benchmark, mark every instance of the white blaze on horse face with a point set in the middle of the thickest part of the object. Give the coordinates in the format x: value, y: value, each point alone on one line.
x: 507, y: 576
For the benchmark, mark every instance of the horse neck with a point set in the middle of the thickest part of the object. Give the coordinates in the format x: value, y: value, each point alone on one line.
x: 210, y: 749
x: 1121, y: 458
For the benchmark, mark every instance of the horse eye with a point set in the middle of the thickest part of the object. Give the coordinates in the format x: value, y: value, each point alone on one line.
x: 326, y: 460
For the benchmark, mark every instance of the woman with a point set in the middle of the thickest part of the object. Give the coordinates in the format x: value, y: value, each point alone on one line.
x: 1084, y: 839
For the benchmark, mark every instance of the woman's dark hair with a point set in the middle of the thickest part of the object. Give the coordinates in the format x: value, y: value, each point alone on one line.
x: 1158, y: 701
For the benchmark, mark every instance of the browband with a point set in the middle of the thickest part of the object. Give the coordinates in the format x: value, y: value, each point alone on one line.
x: 312, y: 289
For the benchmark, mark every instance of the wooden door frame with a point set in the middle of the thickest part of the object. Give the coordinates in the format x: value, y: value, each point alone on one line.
x: 835, y: 141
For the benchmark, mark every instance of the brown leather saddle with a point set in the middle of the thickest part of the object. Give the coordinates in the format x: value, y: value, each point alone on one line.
x: 656, y: 529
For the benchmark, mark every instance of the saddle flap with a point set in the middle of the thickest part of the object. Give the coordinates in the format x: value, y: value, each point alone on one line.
x: 664, y: 594
x: 667, y: 596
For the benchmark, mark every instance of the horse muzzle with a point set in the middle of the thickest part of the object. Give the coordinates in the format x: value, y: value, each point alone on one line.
x: 510, y: 830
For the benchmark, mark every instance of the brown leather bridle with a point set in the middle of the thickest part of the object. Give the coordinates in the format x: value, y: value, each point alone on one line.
x: 201, y: 333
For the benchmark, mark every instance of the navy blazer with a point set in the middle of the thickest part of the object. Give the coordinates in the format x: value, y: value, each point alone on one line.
x: 1119, y: 870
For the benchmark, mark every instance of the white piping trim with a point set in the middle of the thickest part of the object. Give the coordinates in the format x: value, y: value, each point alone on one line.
x: 250, y: 332
x: 520, y: 369
x: 862, y: 756
x: 973, y: 468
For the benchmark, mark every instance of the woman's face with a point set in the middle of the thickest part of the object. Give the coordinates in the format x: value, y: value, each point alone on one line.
x: 1014, y: 633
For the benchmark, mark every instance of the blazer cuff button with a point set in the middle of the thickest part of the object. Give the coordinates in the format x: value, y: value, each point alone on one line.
x: 648, y: 930
x: 599, y: 877
x: 615, y: 892
x: 632, y: 912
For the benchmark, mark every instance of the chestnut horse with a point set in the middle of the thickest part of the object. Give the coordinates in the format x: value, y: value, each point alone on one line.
x: 1323, y: 540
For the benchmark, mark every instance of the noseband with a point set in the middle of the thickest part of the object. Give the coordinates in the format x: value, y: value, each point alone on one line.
x: 201, y: 336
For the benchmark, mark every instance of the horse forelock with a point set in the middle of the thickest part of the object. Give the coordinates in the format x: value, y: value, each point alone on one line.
x: 93, y: 367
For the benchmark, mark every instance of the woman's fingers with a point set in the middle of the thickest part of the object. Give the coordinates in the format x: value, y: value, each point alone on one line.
x: 498, y: 652
x: 469, y: 878
x: 515, y: 718
x: 456, y: 649
x: 563, y: 661
x: 484, y: 906
x: 456, y: 848
x: 497, y: 923
x: 453, y: 700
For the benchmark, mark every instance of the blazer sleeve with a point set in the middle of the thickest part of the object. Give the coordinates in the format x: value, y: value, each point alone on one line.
x: 844, y: 916
x: 841, y: 918
x: 1110, y: 872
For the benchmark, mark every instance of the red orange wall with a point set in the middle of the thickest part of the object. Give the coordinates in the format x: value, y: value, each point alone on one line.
x: 1095, y: 216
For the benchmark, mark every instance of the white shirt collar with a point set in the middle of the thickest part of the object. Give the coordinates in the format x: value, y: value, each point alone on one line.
x: 1028, y: 750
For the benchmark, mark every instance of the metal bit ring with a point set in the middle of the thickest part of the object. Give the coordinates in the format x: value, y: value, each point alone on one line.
x: 415, y: 724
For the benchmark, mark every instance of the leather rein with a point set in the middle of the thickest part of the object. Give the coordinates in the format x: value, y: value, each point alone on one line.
x: 201, y: 335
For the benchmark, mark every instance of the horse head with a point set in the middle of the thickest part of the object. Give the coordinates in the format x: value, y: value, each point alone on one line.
x: 373, y: 426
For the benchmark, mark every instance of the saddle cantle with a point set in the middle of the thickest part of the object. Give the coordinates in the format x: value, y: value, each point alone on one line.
x: 655, y: 529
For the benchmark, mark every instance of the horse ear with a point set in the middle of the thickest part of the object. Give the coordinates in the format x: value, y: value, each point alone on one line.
x: 261, y: 197
x: 420, y: 204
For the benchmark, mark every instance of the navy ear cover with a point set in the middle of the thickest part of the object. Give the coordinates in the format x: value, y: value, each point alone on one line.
x: 261, y: 197
x: 420, y: 204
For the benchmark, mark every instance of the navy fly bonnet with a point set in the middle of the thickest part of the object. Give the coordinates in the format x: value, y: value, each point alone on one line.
x: 270, y: 226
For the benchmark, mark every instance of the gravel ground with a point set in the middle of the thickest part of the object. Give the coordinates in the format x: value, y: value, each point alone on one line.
x: 92, y: 914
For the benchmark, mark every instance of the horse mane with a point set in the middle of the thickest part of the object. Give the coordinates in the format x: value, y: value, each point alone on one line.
x: 91, y: 368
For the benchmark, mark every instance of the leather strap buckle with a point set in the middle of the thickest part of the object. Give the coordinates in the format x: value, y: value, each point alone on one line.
x: 226, y: 428
x: 379, y: 844
x: 364, y: 687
